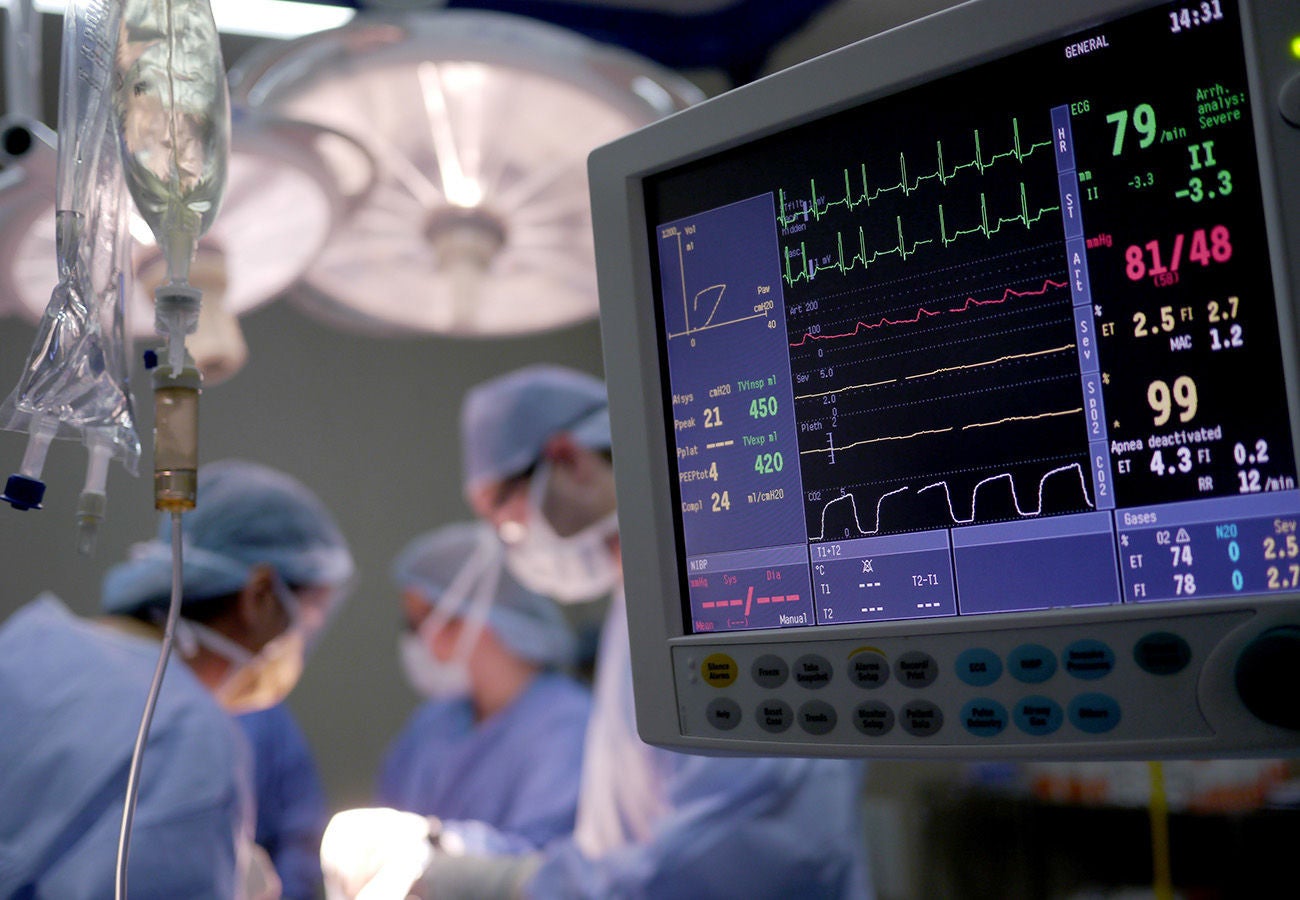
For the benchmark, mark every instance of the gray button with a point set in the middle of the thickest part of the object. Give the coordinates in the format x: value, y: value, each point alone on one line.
x: 812, y: 671
x: 723, y: 713
x: 916, y: 669
x: 817, y: 717
x: 873, y: 718
x: 868, y: 670
x: 769, y: 671
x: 774, y: 716
x: 921, y: 718
x: 1288, y: 100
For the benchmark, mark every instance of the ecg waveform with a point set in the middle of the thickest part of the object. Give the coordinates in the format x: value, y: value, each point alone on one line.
x: 1021, y: 510
x: 815, y: 206
x: 921, y: 312
x: 810, y: 268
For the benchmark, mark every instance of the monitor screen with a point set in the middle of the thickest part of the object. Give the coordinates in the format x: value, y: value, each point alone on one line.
x: 1003, y: 341
x: 953, y: 388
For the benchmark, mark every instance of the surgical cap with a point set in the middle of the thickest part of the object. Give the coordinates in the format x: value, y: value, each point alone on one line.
x: 532, y: 626
x: 247, y: 515
x: 506, y: 422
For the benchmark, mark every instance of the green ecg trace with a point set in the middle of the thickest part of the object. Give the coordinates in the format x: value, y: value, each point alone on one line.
x: 902, y: 249
x: 817, y: 208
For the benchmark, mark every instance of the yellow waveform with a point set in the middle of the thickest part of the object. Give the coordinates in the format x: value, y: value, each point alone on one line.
x: 892, y: 437
x: 1006, y: 419
x: 993, y: 362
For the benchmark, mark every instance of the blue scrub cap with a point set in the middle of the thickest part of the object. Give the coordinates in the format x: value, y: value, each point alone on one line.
x: 505, y: 422
x: 247, y: 514
x: 529, y: 624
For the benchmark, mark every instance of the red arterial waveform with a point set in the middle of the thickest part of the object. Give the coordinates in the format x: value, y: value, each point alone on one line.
x: 922, y: 313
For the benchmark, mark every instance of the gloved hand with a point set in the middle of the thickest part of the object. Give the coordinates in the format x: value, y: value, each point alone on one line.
x: 375, y: 854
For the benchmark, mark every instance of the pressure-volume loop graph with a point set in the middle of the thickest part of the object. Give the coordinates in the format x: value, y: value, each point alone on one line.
x: 858, y: 191
x: 801, y: 266
x: 708, y: 298
x: 717, y: 271
x: 1071, y: 474
x: 923, y: 312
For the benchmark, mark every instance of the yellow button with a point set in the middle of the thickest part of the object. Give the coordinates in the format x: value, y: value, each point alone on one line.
x: 719, y: 670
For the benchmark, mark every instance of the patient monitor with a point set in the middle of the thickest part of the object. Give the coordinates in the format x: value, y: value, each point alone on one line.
x: 953, y: 380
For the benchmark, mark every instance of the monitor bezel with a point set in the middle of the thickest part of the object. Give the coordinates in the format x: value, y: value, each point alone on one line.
x: 941, y: 44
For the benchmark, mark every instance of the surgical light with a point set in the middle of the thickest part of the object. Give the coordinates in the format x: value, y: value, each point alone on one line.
x: 479, y: 125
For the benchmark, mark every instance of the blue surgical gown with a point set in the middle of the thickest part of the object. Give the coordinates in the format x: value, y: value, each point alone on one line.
x: 71, y: 695
x: 517, y: 771
x: 291, y: 807
x: 657, y: 824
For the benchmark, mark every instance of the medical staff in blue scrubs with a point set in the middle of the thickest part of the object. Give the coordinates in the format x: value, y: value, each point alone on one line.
x: 291, y: 805
x: 651, y: 823
x: 264, y: 563
x: 499, y: 739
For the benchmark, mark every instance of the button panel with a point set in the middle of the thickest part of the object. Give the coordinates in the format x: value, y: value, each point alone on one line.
x: 1064, y: 686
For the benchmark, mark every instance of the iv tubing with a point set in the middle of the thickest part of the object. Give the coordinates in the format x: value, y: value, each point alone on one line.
x: 42, y: 431
x: 133, y: 779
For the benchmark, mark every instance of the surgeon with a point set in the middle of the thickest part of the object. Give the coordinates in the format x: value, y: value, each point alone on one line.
x: 291, y: 805
x: 651, y: 823
x: 499, y: 739
x: 264, y: 565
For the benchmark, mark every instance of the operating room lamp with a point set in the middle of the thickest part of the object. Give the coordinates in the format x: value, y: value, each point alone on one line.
x: 479, y: 125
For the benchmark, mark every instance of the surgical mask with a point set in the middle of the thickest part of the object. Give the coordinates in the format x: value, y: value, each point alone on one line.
x: 469, y: 596
x: 255, y: 681
x: 572, y: 569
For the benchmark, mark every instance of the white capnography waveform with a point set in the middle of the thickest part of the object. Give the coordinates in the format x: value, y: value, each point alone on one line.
x: 1077, y: 468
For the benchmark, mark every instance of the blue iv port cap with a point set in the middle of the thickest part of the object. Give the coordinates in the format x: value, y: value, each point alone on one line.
x: 151, y: 359
x: 22, y: 492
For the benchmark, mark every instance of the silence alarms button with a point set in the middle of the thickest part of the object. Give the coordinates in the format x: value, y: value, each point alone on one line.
x: 723, y: 713
x: 719, y: 670
x: 1266, y: 676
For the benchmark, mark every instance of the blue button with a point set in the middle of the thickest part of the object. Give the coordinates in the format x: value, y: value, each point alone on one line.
x: 979, y: 667
x: 1038, y: 715
x: 1089, y: 659
x: 983, y: 717
x: 1032, y: 663
x: 1094, y: 713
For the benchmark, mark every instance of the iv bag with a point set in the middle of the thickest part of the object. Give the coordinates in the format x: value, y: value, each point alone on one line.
x: 173, y: 111
x: 76, y: 373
